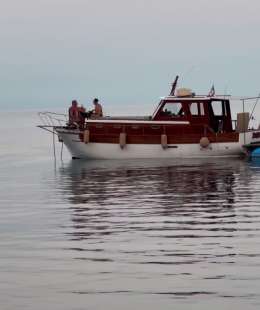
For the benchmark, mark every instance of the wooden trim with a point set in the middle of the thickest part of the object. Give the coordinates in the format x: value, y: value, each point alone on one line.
x: 164, y: 122
x: 156, y: 139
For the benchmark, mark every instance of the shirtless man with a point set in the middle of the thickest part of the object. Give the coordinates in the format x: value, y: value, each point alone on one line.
x: 73, y: 113
x: 97, y: 112
x: 76, y: 114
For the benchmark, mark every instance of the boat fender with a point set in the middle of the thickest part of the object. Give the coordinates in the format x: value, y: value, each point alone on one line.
x: 164, y: 141
x: 86, y: 136
x: 242, y: 122
x: 204, y: 142
x: 122, y: 140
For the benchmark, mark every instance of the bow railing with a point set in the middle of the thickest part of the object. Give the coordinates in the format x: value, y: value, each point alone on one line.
x: 52, y: 119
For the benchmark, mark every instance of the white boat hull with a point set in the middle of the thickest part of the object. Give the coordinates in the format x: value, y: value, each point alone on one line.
x: 79, y: 149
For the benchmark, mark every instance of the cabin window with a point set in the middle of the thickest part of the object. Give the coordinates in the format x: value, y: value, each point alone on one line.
x: 173, y: 109
x: 194, y: 109
x: 197, y: 109
x: 218, y: 108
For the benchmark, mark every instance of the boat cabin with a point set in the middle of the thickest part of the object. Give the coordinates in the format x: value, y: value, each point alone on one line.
x: 212, y: 112
x: 183, y: 120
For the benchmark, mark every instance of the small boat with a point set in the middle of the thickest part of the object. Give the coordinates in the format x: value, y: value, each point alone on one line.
x: 183, y: 125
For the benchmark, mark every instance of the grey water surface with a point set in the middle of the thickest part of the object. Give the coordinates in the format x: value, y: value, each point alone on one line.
x: 164, y: 234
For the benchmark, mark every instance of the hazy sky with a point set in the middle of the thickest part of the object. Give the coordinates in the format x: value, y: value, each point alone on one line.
x: 125, y: 52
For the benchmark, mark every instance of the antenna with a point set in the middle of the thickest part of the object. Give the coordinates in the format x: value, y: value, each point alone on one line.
x: 189, y: 71
x: 174, y: 85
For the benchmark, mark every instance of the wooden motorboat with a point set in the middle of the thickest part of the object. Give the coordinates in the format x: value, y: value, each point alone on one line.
x: 182, y: 125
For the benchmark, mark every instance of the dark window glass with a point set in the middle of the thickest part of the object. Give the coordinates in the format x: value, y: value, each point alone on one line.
x: 173, y: 109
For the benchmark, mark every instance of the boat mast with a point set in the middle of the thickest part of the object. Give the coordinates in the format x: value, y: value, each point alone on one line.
x: 174, y: 85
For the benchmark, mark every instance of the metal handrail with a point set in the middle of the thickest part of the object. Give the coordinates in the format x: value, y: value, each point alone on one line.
x: 53, y: 119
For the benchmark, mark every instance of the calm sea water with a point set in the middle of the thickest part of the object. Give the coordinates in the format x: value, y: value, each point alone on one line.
x: 124, y: 234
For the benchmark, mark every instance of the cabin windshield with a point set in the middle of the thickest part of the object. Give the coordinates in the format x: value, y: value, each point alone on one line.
x: 173, y: 109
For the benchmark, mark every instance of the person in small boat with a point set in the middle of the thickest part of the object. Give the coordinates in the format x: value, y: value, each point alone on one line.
x: 98, y: 111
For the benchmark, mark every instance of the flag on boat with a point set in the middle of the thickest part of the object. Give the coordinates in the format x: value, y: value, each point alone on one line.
x: 212, y: 91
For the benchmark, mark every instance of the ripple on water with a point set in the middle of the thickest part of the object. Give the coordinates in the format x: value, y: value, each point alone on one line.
x: 117, y: 232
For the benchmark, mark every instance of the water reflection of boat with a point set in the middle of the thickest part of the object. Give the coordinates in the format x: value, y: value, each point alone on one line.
x: 108, y: 196
x: 185, y: 182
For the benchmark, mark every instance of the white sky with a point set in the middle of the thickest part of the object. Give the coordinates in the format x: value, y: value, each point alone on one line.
x: 125, y: 52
